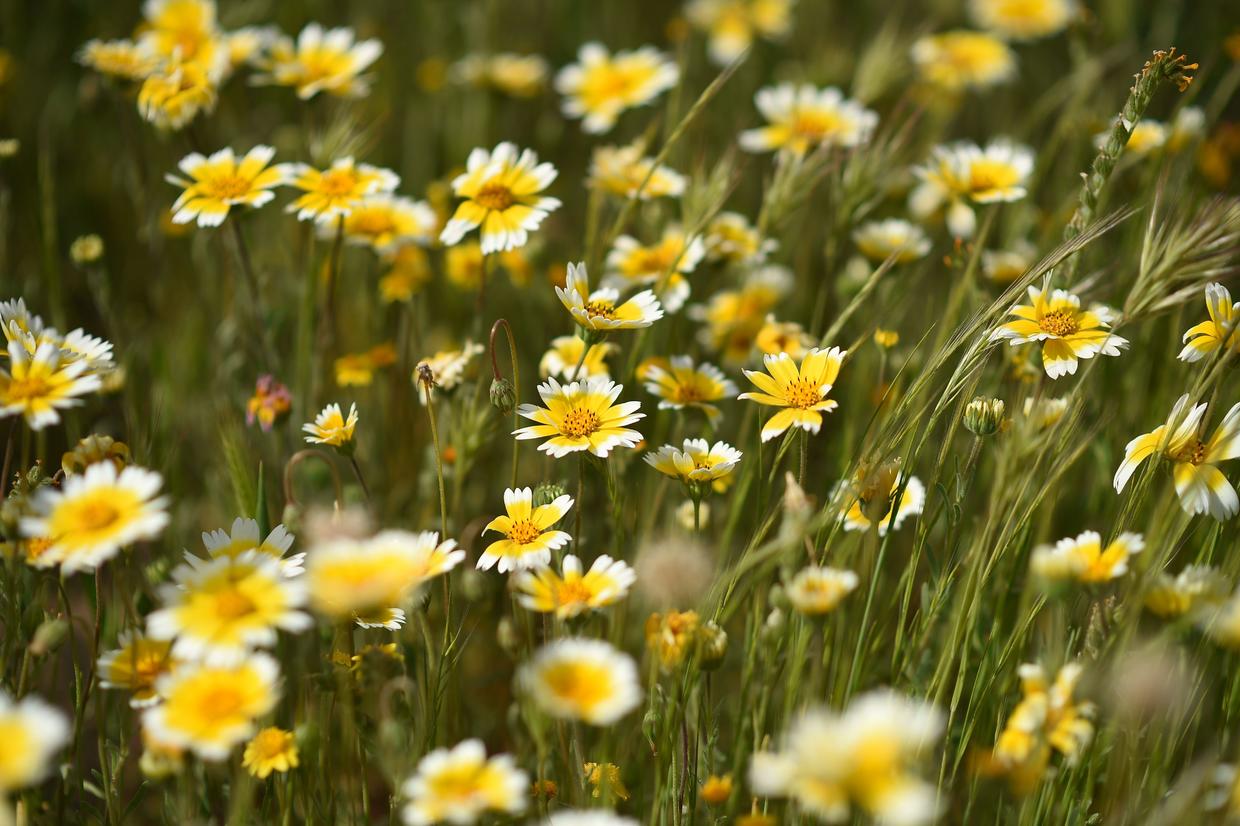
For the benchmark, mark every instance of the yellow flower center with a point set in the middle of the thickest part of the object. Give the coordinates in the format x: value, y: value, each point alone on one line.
x: 583, y: 684
x: 228, y: 186
x: 579, y: 422
x: 802, y: 393
x: 814, y: 125
x: 572, y: 591
x: 233, y: 604
x: 95, y: 515
x: 1194, y: 453
x: 602, y: 308
x: 29, y: 388
x: 524, y: 532
x: 495, y: 196
x: 220, y: 702
x: 652, y: 260
x: 1059, y: 323
x: 988, y: 175
x: 338, y: 182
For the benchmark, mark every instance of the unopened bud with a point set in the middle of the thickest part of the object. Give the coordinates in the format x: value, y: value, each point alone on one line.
x: 49, y: 636
x: 712, y: 646
x: 503, y: 396
x: 548, y: 492
x: 982, y: 417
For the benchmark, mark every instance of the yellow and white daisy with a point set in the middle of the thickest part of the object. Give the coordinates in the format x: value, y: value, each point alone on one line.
x: 448, y: 367
x: 869, y: 501
x: 460, y: 784
x: 330, y: 61
x: 626, y: 172
x: 776, y: 337
x: 335, y: 191
x: 1194, y: 588
x: 1145, y: 137
x: 960, y: 174
x: 389, y: 619
x: 581, y: 415
x: 1047, y: 719
x: 600, y: 86
x: 572, y: 593
x: 38, y: 386
x: 601, y: 311
x: 592, y: 817
x: 1066, y: 332
x: 384, y: 222
x: 124, y: 59
x: 33, y: 732
x: 803, y: 118
x: 217, y: 183
x: 879, y: 240
x: 961, y: 59
x: 1222, y: 326
x: 1188, y: 125
x: 665, y: 263
x: 1023, y: 19
x: 1005, y: 266
x: 864, y: 757
x: 136, y: 666
x: 184, y: 29
x: 800, y: 390
x: 581, y: 679
x: 210, y: 709
x: 350, y: 577
x: 815, y: 591
x: 95, y: 514
x: 1083, y: 558
x: 733, y: 25
x: 528, y: 536
x: 271, y: 750
x: 697, y: 463
x: 243, y: 536
x: 331, y: 427
x: 730, y: 238
x: 1201, y: 486
x: 1220, y: 620
x: 562, y: 357
x: 517, y: 75
x: 684, y: 384
x: 501, y: 191
x: 175, y: 92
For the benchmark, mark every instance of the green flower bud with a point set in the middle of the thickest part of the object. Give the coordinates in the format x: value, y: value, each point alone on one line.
x: 982, y: 417
x: 503, y: 396
x: 548, y: 492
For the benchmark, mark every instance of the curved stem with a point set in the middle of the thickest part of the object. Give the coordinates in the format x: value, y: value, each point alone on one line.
x: 296, y: 459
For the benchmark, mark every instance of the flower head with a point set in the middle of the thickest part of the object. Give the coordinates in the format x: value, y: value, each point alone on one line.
x: 459, y: 784
x: 517, y: 75
x: 732, y: 239
x: 800, y: 390
x: 33, y: 732
x: 39, y: 385
x: 626, y: 172
x: 528, y: 536
x: 136, y: 666
x: 581, y: 415
x: 1084, y: 559
x: 384, y: 222
x: 1221, y: 327
x: 733, y: 25
x: 123, y: 59
x: 1194, y: 588
x: 175, y: 92
x: 580, y: 679
x: 816, y: 590
x: 872, y: 498
x: 1067, y: 332
x: 880, y: 240
x: 448, y: 367
x: 1047, y: 719
x: 1023, y: 19
x: 217, y: 183
x: 331, y: 427
x: 321, y: 61
x: 601, y: 310
x: 348, y: 577
x: 804, y: 118
x: 665, y: 263
x: 335, y: 191
x: 775, y: 337
x: 571, y: 592
x: 562, y: 357
x: 684, y: 384
x: 699, y: 465
x: 270, y: 403
x: 358, y: 369
x: 964, y: 173
x: 243, y: 536
x: 961, y: 59
x: 271, y: 750
x: 600, y: 86
x: 501, y: 191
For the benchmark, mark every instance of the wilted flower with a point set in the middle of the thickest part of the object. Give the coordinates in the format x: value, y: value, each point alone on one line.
x: 93, y: 449
x: 671, y: 637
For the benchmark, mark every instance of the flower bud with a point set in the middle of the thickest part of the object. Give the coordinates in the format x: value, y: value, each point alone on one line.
x: 503, y: 396
x: 548, y: 492
x: 712, y: 646
x: 48, y: 637
x: 982, y: 417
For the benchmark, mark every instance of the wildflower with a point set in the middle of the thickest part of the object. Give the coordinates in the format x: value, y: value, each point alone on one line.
x: 336, y: 190
x: 732, y: 25
x: 964, y: 173
x: 784, y: 337
x: 1224, y: 790
x: 270, y: 403
x: 321, y: 61
x: 872, y: 497
x: 815, y: 591
x: 185, y: 30
x: 1201, y: 486
x: 571, y: 592
x: 219, y: 609
x: 1005, y: 266
x: 1084, y: 559
x: 622, y: 170
x: 665, y: 263
x: 1067, y: 333
x: 1023, y: 19
x: 389, y: 619
x: 731, y: 238
x: 671, y: 636
x: 448, y: 367
x: 517, y: 75
x: 1144, y: 138
x: 1045, y: 412
x: 221, y: 181
x: 1219, y: 619
x: 95, y: 514
x: 331, y: 427
x: 271, y: 750
x: 800, y: 391
x: 581, y: 415
x: 243, y: 536
x: 880, y: 240
x: 1221, y: 327
x: 600, y: 86
x: 528, y: 538
x: 863, y: 757
x: 984, y: 417
x: 460, y: 784
x: 500, y: 189
x: 886, y: 339
x: 804, y: 118
x: 598, y: 311
x: 351, y: 576
x: 685, y: 384
x: 383, y: 222
x: 564, y: 354
x: 593, y: 817
x: 210, y: 709
x: 33, y: 732
x: 93, y: 449
x: 358, y: 369
x: 581, y: 679
x: 961, y: 59
x: 123, y: 59
x: 173, y: 95
x: 86, y: 249
x: 1193, y: 588
x: 38, y: 386
x: 136, y: 666
x: 605, y: 777
x: 1047, y: 719
x: 699, y: 465
x: 409, y: 271
x: 716, y: 790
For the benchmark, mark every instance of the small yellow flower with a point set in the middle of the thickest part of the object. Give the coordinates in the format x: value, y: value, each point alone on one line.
x: 800, y: 390
x: 501, y: 191
x: 581, y: 679
x: 961, y: 59
x: 699, y: 465
x: 886, y: 339
x: 1048, y: 718
x: 409, y: 271
x: 600, y: 86
x: 86, y: 249
x: 528, y: 536
x: 571, y: 592
x: 671, y: 637
x: 331, y: 427
x: 38, y: 386
x: 733, y: 25
x: 581, y: 415
x: 665, y: 263
x: 717, y: 789
x: 605, y: 778
x: 348, y: 577
x: 1084, y: 559
x: 804, y: 118
x: 335, y: 191
x: 358, y: 369
x: 217, y: 183
x: 270, y: 403
x: 458, y: 785
x: 730, y: 238
x: 600, y: 311
x: 960, y: 174
x: 1067, y: 333
x: 783, y: 337
x: 684, y: 384
x: 174, y: 94
x: 321, y: 61
x: 31, y: 732
x: 1222, y: 327
x: 119, y: 58
x: 815, y: 591
x: 385, y: 222
x: 1023, y: 19
x: 880, y: 240
x: 271, y: 750
x: 626, y: 172
x: 136, y: 666
x: 565, y: 352
x: 1195, y: 587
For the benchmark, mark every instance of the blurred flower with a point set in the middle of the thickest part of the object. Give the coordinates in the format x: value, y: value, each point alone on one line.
x: 93, y: 449
x: 777, y: 337
x: 1221, y: 327
x: 571, y: 592
x: 963, y: 173
x: 663, y: 264
x: 1220, y: 620
x: 886, y: 339
x: 119, y: 58
x: 961, y: 59
x: 871, y: 498
x: 564, y: 354
x: 221, y: 181
x: 731, y: 238
x: 321, y: 61
x: 716, y: 790
x: 684, y: 384
x: 732, y: 25
x: 448, y: 367
x: 593, y: 817
x: 622, y: 170
x: 349, y: 576
x: 331, y: 427
x: 581, y: 679
x: 1045, y: 412
x: 984, y: 417
x: 581, y: 415
x: 801, y: 391
x: 517, y: 75
x: 815, y: 591
x: 501, y: 189
x: 384, y: 222
x: 1083, y: 558
x: 605, y: 778
x: 598, y: 311
x: 1195, y: 587
x: 671, y: 636
x: 271, y: 750
x: 9, y: 147
x: 34, y: 731
x: 409, y: 271
x: 136, y: 666
x: 460, y: 784
x: 673, y: 572
x: 39, y: 385
x: 270, y: 403
x: 529, y: 540
x: 336, y: 190
x: 244, y: 537
x: 1055, y: 319
x: 1187, y: 127
x: 1005, y: 266
x: 1023, y: 19
x: 804, y: 118
x: 86, y: 249
x: 358, y: 369
x: 389, y: 619
x: 173, y: 95
x: 1144, y: 138
x: 879, y: 240
x: 600, y: 86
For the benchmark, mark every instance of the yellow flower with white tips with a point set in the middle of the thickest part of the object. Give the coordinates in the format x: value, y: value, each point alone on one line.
x: 963, y: 173
x: 1067, y: 333
x: 460, y: 784
x: 602, y: 311
x: 803, y: 118
x: 581, y: 679
x: 732, y: 239
x: 663, y: 264
x: 684, y: 384
x: 961, y: 59
x: 218, y: 609
x: 783, y: 337
x: 335, y: 191
x: 518, y: 75
x: 210, y: 709
x: 1221, y: 327
x: 879, y: 240
x: 572, y: 592
x: 384, y: 222
x: 622, y: 170
x: 733, y: 25
x: 1023, y: 19
x: 331, y: 427
x: 119, y: 58
x: 733, y: 318
x: 800, y: 391
x: 1047, y: 719
x: 1219, y: 619
x: 1193, y: 588
x: 217, y: 183
x: 271, y: 750
x: 1201, y: 486
x: 33, y: 732
x: 37, y: 386
x: 697, y: 463
x: 528, y: 536
x: 243, y: 536
x: 136, y: 666
x: 581, y: 415
x: 816, y: 591
x: 600, y: 86
x: 174, y: 93
x: 1083, y: 558
x: 330, y: 61
x: 501, y: 191
x: 875, y: 502
x: 389, y: 619
x: 562, y: 357
x: 350, y: 577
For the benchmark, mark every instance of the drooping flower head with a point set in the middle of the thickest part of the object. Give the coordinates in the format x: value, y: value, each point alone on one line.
x: 581, y: 415
x: 459, y: 784
x: 1067, y: 332
x: 803, y: 118
x: 321, y: 60
x: 1223, y: 326
x: 800, y: 390
x: 501, y: 191
x: 215, y: 184
x: 600, y: 86
x: 580, y: 679
x: 528, y: 532
x: 572, y: 592
x: 602, y: 311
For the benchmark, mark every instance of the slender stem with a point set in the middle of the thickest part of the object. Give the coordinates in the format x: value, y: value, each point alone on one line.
x: 8, y: 459
x: 581, y: 485
x: 516, y: 386
x: 327, y: 330
x: 357, y: 471
x: 427, y: 381
x: 804, y: 457
x: 256, y: 294
x: 586, y: 344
